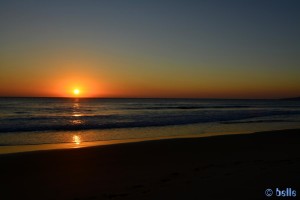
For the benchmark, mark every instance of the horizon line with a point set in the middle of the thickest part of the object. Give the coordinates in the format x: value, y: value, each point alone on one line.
x: 208, y: 98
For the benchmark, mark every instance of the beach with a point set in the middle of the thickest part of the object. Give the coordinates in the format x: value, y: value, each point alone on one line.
x: 221, y: 167
x: 149, y: 100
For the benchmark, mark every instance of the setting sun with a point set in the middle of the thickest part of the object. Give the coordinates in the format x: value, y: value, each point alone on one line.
x: 76, y: 91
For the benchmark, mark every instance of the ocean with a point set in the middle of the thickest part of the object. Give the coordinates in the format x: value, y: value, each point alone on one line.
x: 36, y: 121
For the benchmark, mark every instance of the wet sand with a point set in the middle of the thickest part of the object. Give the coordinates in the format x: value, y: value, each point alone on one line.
x: 221, y: 167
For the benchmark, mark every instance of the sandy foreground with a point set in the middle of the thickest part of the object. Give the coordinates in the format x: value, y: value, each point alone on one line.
x: 221, y: 167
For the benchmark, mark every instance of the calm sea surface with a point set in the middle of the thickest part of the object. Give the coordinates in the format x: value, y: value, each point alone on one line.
x: 64, y: 120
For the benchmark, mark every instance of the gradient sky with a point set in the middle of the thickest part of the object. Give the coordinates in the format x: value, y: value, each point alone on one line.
x: 108, y: 48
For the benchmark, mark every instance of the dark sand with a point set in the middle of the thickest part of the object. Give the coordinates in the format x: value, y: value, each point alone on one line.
x: 221, y: 167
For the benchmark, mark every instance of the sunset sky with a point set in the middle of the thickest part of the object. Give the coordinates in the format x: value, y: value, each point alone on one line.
x: 108, y: 48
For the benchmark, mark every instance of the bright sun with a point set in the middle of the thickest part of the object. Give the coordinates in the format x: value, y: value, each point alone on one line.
x: 76, y: 91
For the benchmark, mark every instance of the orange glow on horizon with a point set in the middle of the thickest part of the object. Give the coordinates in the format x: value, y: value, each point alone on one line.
x: 77, y: 86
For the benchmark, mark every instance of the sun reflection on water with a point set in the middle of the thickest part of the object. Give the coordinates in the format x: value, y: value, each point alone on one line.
x: 76, y: 122
x: 76, y: 139
x: 76, y: 113
x: 76, y: 110
x: 76, y: 106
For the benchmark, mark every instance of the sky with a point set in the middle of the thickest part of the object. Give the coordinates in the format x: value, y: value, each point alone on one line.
x: 166, y: 49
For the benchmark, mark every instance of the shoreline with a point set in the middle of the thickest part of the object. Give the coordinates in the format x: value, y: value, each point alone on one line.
x: 13, y: 149
x: 240, y: 166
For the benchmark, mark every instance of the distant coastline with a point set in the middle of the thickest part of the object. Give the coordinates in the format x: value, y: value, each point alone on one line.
x: 292, y: 99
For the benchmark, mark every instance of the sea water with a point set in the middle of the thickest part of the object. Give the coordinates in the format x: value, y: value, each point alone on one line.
x: 35, y: 121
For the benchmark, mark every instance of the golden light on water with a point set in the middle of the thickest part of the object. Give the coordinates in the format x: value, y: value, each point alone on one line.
x: 76, y: 111
x: 76, y: 139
